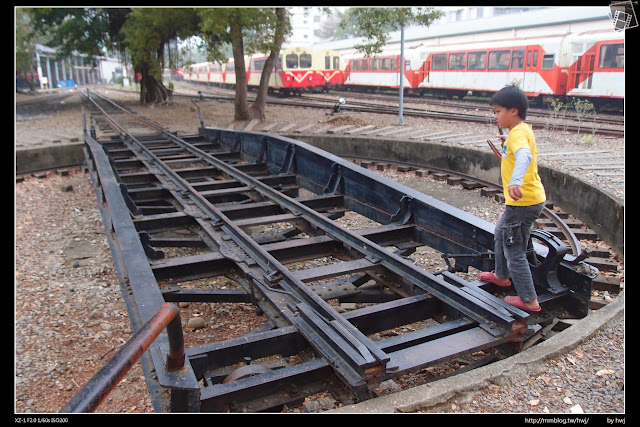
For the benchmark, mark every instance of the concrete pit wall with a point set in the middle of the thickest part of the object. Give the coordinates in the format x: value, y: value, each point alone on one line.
x: 599, y: 210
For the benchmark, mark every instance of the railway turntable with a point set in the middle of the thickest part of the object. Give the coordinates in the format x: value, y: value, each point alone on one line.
x: 263, y: 212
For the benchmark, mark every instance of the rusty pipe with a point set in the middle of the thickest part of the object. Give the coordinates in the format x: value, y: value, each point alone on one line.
x: 98, y: 388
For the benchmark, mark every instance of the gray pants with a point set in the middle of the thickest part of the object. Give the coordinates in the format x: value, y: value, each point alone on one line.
x: 511, y: 238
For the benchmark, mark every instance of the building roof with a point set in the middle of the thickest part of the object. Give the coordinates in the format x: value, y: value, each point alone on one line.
x: 550, y: 16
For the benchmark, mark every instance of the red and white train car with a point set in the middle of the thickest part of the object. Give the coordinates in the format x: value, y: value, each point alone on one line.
x: 298, y: 70
x: 381, y: 71
x: 597, y: 68
x: 588, y: 65
x: 460, y: 69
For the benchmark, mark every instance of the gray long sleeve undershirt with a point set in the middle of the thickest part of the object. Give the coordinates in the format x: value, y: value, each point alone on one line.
x: 523, y: 160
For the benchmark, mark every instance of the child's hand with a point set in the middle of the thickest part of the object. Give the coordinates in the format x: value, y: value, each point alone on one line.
x: 502, y: 138
x: 515, y: 192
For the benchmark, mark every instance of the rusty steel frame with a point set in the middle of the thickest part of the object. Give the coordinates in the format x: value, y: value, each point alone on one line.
x: 246, y: 179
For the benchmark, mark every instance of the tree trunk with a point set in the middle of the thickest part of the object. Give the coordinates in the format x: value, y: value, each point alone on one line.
x: 240, y: 100
x: 257, y: 110
x: 152, y: 91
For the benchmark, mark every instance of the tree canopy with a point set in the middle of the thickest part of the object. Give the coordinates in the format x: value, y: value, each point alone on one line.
x: 146, y: 31
x: 375, y: 23
x: 248, y: 30
x: 143, y: 34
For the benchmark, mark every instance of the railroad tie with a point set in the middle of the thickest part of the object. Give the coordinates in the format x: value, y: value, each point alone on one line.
x: 287, y: 127
x: 304, y: 128
x: 362, y: 129
x: 433, y: 136
x: 395, y: 131
x: 370, y: 132
x: 322, y: 129
x: 251, y: 124
x: 268, y: 127
x: 339, y: 129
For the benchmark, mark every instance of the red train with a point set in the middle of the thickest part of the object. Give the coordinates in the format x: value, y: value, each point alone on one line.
x: 588, y: 65
x: 298, y: 70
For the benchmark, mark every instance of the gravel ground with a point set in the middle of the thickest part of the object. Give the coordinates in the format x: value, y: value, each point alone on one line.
x: 70, y: 318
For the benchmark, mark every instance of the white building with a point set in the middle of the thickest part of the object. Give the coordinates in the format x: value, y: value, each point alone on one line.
x: 311, y: 25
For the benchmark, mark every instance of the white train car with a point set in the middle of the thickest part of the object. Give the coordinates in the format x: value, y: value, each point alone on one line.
x: 376, y: 72
x: 596, y: 67
x: 458, y: 69
x: 564, y: 52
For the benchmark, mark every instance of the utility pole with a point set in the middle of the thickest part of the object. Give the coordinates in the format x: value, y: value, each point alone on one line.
x: 400, y: 120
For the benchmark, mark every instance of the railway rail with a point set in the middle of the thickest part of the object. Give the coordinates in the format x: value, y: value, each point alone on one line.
x: 323, y: 102
x: 219, y: 192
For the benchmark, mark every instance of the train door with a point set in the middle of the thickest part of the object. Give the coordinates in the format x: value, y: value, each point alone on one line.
x: 581, y: 72
x: 423, y: 71
x: 530, y: 83
x: 517, y: 68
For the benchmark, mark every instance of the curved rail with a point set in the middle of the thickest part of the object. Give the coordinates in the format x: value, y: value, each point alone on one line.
x: 577, y: 254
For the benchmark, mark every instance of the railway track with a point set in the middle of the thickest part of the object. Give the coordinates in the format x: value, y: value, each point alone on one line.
x: 262, y: 212
x: 554, y: 220
x: 387, y: 105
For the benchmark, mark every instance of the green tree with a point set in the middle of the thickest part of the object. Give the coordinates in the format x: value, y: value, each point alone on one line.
x: 375, y: 23
x: 88, y: 31
x: 248, y: 30
x: 146, y: 32
x: 25, y: 48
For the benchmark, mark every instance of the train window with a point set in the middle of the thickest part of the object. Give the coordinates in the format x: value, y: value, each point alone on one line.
x: 327, y: 62
x: 439, y: 62
x: 517, y: 59
x: 292, y: 60
x: 385, y: 64
x: 375, y: 64
x: 407, y: 65
x: 477, y: 60
x: 456, y: 61
x: 547, y: 61
x: 364, y: 64
x: 231, y: 68
x: 305, y: 60
x: 355, y: 65
x: 336, y: 62
x: 258, y: 64
x: 393, y: 64
x: 499, y: 59
x: 611, y: 56
x: 535, y: 59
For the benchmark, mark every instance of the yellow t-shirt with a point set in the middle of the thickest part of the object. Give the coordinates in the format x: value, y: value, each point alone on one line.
x: 532, y: 189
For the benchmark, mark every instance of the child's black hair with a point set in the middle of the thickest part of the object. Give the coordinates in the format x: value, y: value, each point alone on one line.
x: 511, y: 97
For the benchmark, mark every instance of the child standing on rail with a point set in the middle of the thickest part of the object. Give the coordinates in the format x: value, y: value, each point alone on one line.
x: 524, y: 199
